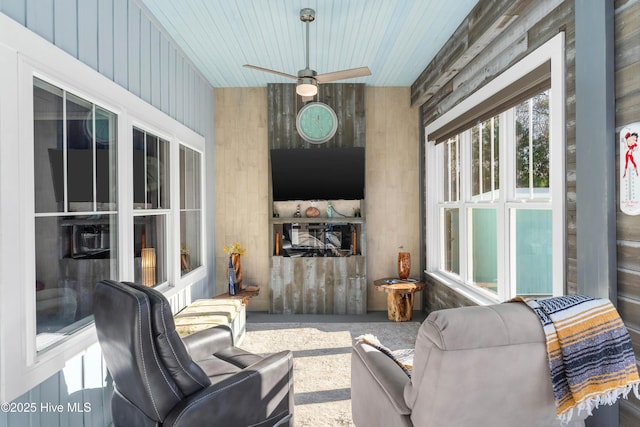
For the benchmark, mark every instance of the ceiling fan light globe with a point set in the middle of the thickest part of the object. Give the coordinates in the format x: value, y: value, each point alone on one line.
x: 307, y: 87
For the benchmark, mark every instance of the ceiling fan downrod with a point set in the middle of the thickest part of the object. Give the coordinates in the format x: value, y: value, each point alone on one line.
x: 307, y: 15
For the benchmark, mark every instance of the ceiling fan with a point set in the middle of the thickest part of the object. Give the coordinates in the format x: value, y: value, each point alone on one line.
x: 307, y: 78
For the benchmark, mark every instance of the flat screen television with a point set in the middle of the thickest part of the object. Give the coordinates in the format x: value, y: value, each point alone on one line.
x: 317, y: 173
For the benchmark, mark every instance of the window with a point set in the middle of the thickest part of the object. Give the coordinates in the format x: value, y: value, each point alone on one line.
x: 71, y: 211
x: 497, y: 216
x: 190, y: 210
x: 151, y: 203
x: 75, y: 208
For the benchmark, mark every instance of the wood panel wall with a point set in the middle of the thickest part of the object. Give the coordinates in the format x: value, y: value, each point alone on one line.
x: 306, y: 285
x: 242, y: 177
x: 495, y: 36
x: 346, y: 99
x: 317, y: 285
x: 242, y: 183
x: 627, y: 93
x: 444, y: 84
x: 392, y: 202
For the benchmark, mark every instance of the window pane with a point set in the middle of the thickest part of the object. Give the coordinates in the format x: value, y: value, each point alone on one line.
x: 533, y: 252
x: 48, y: 140
x: 73, y: 253
x: 79, y: 154
x: 190, y: 256
x: 150, y: 247
x: 152, y: 166
x: 495, y: 147
x: 484, y: 248
x: 451, y: 241
x: 190, y: 212
x: 150, y: 170
x: 163, y: 174
x: 189, y: 178
x: 106, y: 159
x: 476, y: 177
x: 485, y: 160
x: 139, y: 181
x: 451, y: 189
x: 532, y: 147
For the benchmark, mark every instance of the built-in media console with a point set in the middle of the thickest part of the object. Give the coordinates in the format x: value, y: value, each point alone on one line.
x: 318, y: 263
x: 316, y: 239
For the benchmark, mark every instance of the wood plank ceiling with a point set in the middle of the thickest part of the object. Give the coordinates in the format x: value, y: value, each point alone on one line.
x: 396, y: 39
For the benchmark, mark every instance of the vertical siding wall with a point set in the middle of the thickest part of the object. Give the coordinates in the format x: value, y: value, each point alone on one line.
x: 627, y: 92
x: 120, y: 40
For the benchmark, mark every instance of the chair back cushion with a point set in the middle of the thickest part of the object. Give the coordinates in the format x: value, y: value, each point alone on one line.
x: 123, y: 323
x: 484, y: 363
x: 174, y: 355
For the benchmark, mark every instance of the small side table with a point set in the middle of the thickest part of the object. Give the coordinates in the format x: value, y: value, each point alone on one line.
x: 399, y: 297
x: 243, y: 295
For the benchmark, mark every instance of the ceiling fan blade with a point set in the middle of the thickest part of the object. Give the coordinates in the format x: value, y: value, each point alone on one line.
x: 266, y: 70
x: 344, y: 74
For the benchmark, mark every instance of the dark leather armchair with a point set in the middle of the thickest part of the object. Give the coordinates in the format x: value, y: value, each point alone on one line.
x: 162, y: 380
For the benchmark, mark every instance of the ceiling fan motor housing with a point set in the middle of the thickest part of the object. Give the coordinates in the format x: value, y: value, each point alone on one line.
x: 307, y: 15
x: 307, y: 72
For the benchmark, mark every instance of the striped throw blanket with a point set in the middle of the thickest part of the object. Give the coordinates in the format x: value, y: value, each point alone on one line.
x: 590, y: 354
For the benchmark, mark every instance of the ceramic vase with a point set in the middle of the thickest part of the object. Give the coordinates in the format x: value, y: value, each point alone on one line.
x: 237, y: 269
x: 404, y: 265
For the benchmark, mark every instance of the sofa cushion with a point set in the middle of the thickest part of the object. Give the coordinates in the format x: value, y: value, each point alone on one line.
x: 483, y: 326
x: 209, y: 312
x: 402, y: 358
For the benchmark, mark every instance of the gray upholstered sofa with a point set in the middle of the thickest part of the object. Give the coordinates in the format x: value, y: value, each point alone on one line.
x: 473, y: 366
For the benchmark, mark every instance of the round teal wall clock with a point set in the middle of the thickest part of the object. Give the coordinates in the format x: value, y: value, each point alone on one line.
x: 316, y: 122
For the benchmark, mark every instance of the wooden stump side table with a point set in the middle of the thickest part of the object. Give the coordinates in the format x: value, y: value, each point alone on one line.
x: 399, y: 297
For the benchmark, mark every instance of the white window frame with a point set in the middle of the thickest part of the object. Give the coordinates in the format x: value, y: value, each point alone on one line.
x: 552, y: 51
x: 23, y: 55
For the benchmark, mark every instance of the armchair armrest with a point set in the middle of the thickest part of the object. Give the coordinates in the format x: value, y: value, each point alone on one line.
x: 204, y: 343
x: 262, y: 391
x: 377, y: 378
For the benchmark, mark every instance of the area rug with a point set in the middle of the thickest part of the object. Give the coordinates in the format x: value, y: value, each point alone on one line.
x: 322, y: 362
